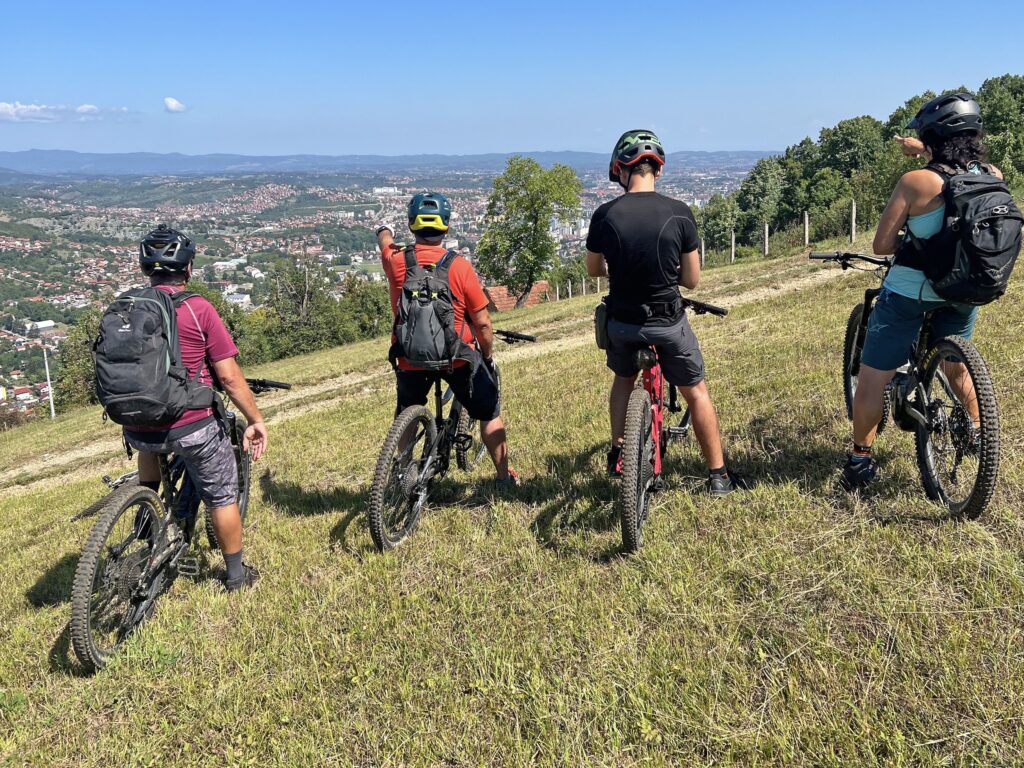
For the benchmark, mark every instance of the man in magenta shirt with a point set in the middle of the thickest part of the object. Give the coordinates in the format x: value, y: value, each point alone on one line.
x: 199, y: 436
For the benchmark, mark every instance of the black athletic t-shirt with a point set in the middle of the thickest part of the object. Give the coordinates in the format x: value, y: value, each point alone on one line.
x: 642, y: 236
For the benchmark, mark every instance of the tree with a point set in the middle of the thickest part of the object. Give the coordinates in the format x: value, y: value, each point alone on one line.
x: 853, y: 144
x: 1002, y: 104
x: 303, y: 316
x: 76, y: 379
x: 896, y: 125
x: 517, y: 247
x: 759, y: 196
x: 719, y: 218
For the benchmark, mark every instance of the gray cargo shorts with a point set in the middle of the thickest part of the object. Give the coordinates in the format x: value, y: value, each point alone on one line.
x: 209, y: 459
x: 678, y: 350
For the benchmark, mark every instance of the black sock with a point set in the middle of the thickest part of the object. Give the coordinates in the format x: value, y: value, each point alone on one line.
x: 234, y: 564
x: 153, y: 485
x: 720, y: 472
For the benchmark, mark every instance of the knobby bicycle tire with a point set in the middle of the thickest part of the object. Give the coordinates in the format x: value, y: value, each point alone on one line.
x: 987, y: 442
x: 637, y: 451
x: 385, y: 535
x: 243, y: 460
x: 468, y: 454
x: 119, y: 501
x: 853, y: 347
x: 101, y: 502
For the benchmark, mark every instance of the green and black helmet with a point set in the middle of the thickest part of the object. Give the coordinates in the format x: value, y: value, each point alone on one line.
x: 429, y: 214
x: 632, y: 147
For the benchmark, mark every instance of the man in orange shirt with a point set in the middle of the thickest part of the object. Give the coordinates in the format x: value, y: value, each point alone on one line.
x: 472, y: 382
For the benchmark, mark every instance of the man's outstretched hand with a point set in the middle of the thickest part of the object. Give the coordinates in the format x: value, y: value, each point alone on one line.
x: 911, y: 147
x: 255, y: 440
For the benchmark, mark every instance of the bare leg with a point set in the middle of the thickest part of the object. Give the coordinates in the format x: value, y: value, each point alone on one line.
x: 705, y: 423
x: 618, y: 402
x: 868, y: 402
x: 963, y: 385
x: 492, y: 433
x: 227, y: 525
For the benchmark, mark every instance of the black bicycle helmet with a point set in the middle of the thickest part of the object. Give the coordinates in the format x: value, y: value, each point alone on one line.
x: 632, y: 147
x: 165, y: 250
x: 949, y: 115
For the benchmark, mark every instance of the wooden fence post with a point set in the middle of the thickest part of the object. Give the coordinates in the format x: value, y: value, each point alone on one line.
x: 557, y: 297
x: 766, y: 238
x: 807, y: 229
x: 702, y: 253
x: 853, y: 220
x: 584, y: 286
x: 570, y: 289
x: 732, y: 254
x: 599, y: 285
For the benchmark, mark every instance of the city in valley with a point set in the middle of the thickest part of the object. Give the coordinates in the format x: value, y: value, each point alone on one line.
x: 69, y: 243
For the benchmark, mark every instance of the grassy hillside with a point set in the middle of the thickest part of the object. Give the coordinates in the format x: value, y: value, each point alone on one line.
x: 787, y: 625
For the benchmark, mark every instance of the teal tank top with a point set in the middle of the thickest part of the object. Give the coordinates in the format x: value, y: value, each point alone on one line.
x: 912, y: 282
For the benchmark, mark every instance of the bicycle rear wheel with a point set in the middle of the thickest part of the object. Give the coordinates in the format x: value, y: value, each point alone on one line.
x: 469, y: 448
x: 243, y: 460
x: 103, y: 612
x: 637, y: 469
x: 397, y: 497
x: 853, y: 346
x: 959, y: 462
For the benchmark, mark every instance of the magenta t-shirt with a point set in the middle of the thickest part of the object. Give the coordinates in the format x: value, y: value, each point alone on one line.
x: 204, y: 340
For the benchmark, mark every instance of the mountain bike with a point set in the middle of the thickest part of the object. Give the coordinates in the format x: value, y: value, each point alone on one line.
x: 647, y: 437
x: 943, y: 394
x: 417, y: 453
x: 140, y: 543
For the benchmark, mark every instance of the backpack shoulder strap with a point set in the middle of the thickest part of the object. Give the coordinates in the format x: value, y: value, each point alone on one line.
x: 181, y: 297
x: 444, y: 264
x: 943, y: 170
x: 410, y: 258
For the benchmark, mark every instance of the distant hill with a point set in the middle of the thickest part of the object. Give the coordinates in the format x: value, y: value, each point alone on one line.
x: 61, y: 162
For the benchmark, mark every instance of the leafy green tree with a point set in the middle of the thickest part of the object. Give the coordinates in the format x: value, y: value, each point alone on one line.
x: 759, y: 197
x: 1002, y: 104
x: 305, y: 316
x: 719, y: 218
x: 827, y: 186
x: 76, y: 378
x: 852, y: 144
x: 368, y: 305
x: 517, y: 247
x: 896, y: 125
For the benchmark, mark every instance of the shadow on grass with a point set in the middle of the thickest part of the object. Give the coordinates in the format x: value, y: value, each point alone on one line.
x: 571, y: 481
x: 53, y: 588
x: 60, y: 657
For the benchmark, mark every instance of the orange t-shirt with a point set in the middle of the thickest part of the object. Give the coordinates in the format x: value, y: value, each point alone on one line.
x: 466, y: 288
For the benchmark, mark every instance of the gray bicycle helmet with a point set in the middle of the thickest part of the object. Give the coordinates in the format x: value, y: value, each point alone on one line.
x: 165, y: 250
x: 949, y: 115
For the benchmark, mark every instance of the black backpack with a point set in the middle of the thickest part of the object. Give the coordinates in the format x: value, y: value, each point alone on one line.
x: 140, y: 380
x: 425, y: 333
x: 971, y: 259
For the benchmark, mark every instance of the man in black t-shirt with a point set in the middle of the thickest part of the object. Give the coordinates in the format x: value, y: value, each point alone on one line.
x: 647, y: 245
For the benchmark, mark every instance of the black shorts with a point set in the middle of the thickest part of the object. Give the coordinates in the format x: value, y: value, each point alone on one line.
x: 678, y: 350
x: 477, y: 392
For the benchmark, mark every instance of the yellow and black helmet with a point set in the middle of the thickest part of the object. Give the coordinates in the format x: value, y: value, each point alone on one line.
x: 429, y: 214
x: 165, y: 250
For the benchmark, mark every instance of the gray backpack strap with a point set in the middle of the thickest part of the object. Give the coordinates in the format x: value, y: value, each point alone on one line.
x: 410, y: 258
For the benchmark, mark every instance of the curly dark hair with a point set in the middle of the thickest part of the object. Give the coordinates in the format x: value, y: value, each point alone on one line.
x: 958, y: 151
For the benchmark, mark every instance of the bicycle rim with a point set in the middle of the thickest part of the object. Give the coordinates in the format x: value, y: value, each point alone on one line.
x: 958, y: 459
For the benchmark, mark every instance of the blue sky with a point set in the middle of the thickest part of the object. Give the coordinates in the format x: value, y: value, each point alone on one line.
x: 397, y: 77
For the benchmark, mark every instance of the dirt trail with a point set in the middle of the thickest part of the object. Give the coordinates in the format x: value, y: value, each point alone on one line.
x: 306, y: 398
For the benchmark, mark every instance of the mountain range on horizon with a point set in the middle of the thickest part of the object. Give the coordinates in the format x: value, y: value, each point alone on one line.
x: 49, y: 162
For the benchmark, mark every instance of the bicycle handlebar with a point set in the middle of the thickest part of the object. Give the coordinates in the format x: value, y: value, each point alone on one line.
x: 265, y: 385
x: 511, y: 337
x: 700, y: 308
x: 846, y: 258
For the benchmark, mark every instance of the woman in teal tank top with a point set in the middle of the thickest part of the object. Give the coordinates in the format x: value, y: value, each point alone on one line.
x: 949, y: 132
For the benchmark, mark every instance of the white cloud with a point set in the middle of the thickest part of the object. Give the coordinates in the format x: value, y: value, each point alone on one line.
x: 171, y: 104
x: 16, y: 112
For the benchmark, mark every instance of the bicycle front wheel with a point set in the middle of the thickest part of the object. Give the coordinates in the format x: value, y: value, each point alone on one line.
x: 958, y: 450
x: 637, y: 469
x: 853, y: 346
x: 397, y: 497
x: 103, y: 612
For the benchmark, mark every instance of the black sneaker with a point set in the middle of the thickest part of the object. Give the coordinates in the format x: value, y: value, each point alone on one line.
x: 615, y: 461
x: 723, y: 485
x: 247, y: 579
x: 858, y: 474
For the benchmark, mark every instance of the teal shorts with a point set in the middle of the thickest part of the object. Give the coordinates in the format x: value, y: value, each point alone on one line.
x: 895, y: 322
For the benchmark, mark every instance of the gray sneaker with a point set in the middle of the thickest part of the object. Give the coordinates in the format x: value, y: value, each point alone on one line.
x: 723, y: 485
x: 249, y: 577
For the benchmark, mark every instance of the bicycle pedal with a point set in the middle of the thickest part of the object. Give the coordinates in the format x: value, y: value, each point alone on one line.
x: 188, y: 566
x: 658, y: 484
x: 675, y: 434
